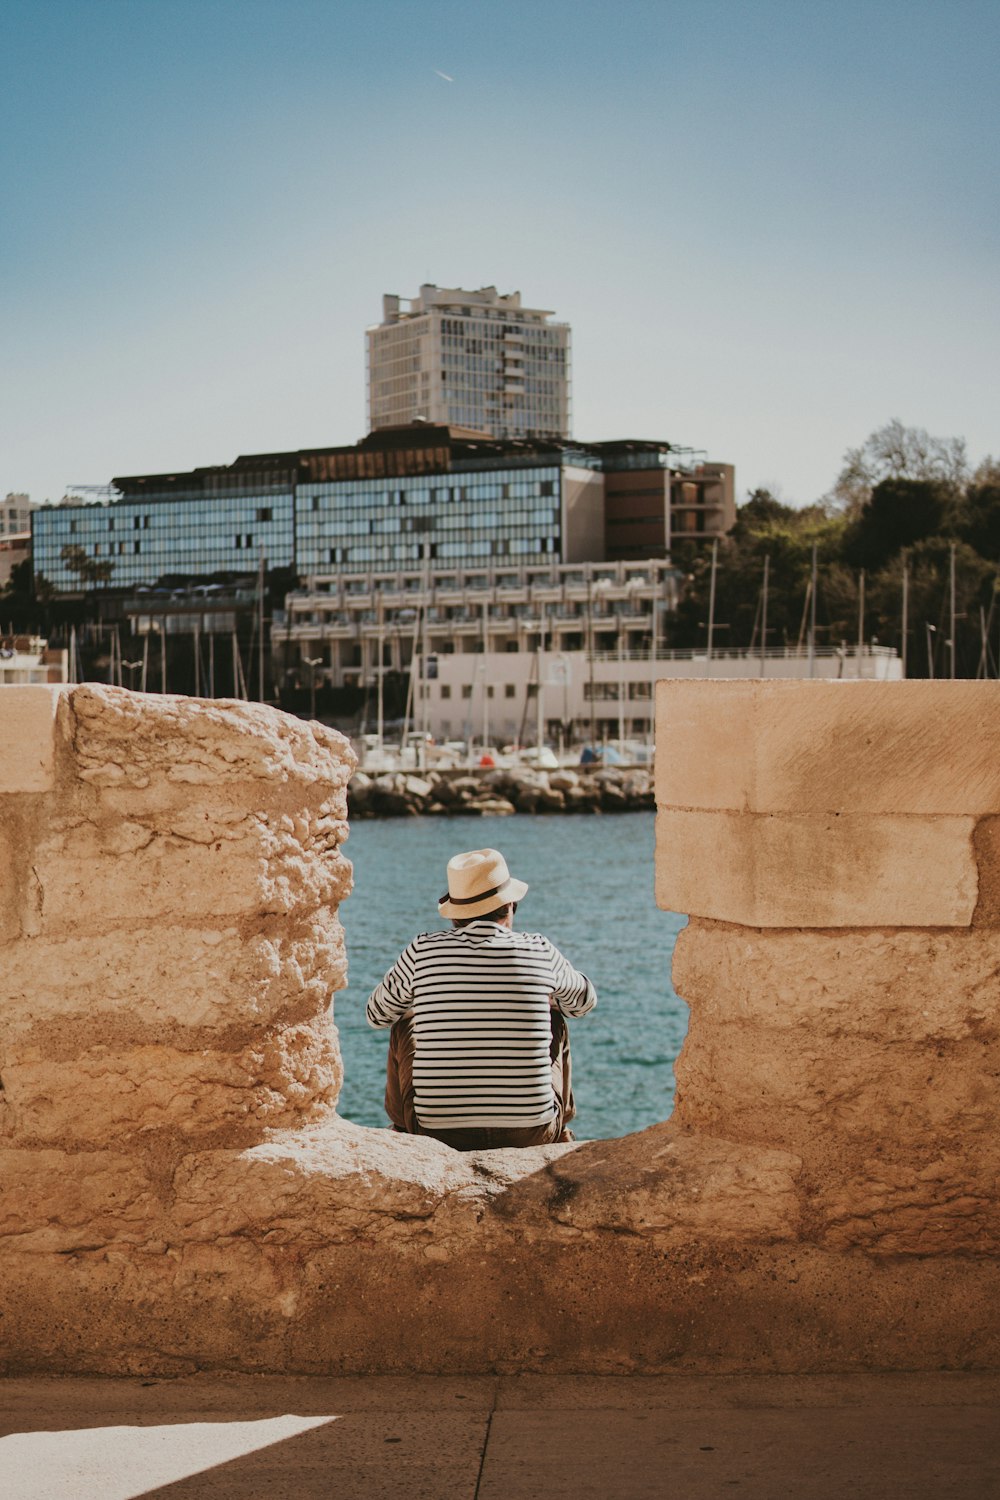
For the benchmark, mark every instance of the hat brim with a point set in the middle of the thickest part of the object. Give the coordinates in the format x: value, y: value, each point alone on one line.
x: 513, y: 890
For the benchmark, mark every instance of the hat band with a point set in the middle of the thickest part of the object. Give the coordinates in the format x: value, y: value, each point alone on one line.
x: 471, y: 900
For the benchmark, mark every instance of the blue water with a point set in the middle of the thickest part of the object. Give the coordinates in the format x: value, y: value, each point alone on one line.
x: 591, y: 882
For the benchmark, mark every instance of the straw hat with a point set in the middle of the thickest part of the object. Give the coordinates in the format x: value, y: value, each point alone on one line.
x: 478, y: 882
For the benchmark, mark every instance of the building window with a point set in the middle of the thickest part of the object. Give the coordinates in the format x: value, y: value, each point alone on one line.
x: 467, y: 690
x: 509, y: 690
x: 264, y: 513
x: 445, y: 690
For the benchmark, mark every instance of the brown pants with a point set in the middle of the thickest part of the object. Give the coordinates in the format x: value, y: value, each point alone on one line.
x: 399, y: 1096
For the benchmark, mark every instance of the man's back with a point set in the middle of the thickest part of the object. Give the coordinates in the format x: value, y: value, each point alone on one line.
x: 479, y: 996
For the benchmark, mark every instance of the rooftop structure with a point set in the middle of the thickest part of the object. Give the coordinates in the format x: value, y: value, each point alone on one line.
x: 472, y: 359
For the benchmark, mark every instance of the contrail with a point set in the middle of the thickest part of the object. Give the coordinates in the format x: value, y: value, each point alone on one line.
x: 446, y: 76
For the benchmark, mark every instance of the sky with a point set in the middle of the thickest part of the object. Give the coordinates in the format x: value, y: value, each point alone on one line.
x: 772, y: 226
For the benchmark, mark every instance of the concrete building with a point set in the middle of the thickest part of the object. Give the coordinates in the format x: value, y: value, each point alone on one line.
x: 469, y: 359
x: 543, y: 651
x: 15, y: 514
x: 15, y: 534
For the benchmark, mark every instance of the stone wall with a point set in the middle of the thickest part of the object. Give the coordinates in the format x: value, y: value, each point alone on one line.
x: 177, y: 1191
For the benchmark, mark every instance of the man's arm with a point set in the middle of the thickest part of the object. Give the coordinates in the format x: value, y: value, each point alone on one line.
x: 572, y: 992
x: 393, y: 998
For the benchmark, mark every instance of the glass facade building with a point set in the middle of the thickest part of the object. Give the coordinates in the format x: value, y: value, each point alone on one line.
x: 194, y: 535
x: 410, y: 497
x: 458, y: 517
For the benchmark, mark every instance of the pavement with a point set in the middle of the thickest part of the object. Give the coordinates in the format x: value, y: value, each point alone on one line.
x: 829, y: 1437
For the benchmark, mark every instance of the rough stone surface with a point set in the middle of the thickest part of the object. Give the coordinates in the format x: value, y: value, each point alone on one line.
x: 171, y: 980
x: 829, y: 747
x: 177, y: 1192
x: 886, y: 984
x: 28, y: 739
x: 828, y: 870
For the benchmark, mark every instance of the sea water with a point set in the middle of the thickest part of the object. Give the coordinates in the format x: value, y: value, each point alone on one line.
x: 591, y: 892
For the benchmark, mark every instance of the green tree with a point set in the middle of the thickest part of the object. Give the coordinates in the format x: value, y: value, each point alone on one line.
x: 899, y: 513
x: 980, y: 519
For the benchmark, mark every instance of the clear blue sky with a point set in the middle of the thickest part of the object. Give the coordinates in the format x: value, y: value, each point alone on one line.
x: 772, y: 226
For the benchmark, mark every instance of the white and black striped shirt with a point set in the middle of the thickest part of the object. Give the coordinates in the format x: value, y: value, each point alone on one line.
x: 479, y: 998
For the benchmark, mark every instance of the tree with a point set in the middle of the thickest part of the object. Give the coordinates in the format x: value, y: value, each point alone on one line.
x: 897, y: 452
x: 898, y: 513
x: 87, y: 568
x: 980, y: 523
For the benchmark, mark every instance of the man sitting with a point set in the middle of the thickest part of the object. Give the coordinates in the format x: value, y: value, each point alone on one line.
x: 479, y: 1048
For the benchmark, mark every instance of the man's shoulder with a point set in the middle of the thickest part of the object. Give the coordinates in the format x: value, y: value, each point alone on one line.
x: 533, y: 940
x: 432, y: 939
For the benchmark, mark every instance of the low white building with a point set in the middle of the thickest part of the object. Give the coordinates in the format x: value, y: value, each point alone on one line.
x: 551, y: 652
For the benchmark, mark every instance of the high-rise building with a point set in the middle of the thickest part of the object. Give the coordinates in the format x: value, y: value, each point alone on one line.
x: 469, y: 359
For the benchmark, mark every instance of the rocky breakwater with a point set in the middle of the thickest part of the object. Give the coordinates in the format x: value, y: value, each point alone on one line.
x: 499, y: 793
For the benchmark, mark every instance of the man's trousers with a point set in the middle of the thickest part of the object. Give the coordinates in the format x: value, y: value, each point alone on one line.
x: 399, y: 1093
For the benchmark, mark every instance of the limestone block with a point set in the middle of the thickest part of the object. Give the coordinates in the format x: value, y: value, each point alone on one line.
x: 670, y: 1186
x: 794, y: 1089
x: 987, y: 848
x: 58, y: 1202
x: 816, y: 871
x: 285, y: 1076
x: 152, y: 983
x: 126, y: 738
x: 28, y: 739
x: 326, y: 1184
x: 332, y: 1182
x: 835, y: 747
x: 10, y: 892
x: 946, y: 1206
x: 888, y: 984
x: 88, y: 876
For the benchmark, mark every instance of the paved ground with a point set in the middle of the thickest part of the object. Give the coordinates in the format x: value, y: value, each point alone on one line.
x: 893, y: 1437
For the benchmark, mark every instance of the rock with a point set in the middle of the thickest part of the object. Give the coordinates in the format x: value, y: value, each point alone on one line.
x: 492, y: 807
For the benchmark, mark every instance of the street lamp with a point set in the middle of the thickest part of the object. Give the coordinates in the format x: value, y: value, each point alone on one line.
x: 312, y: 662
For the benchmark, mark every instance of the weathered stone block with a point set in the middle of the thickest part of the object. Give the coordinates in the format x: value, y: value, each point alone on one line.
x: 674, y: 1187
x: 89, y: 875
x: 56, y: 1202
x: 330, y: 1182
x: 816, y: 870
x: 888, y: 984
x: 946, y: 1206
x: 791, y: 1088
x: 152, y: 983
x: 11, y: 894
x: 829, y: 747
x: 188, y: 742
x: 284, y: 1077
x: 28, y: 739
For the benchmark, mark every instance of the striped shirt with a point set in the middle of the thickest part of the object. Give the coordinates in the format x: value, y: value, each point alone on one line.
x: 479, y: 998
